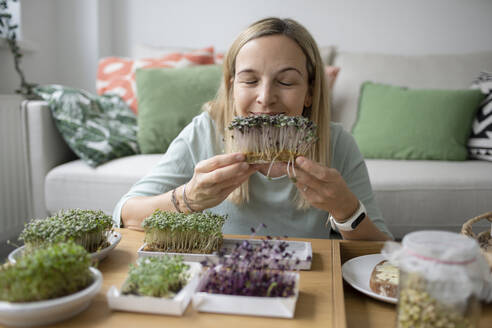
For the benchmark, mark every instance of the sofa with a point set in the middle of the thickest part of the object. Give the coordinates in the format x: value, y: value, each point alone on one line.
x: 412, y: 194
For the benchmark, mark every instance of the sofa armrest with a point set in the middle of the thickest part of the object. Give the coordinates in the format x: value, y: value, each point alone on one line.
x: 44, y: 149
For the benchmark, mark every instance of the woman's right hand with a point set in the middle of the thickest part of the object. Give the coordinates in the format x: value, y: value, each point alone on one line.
x: 215, y: 178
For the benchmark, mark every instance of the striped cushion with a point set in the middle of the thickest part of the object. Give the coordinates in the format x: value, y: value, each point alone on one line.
x: 480, y: 142
x: 116, y: 75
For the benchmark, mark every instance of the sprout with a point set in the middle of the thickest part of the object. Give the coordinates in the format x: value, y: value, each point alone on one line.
x: 183, y: 233
x: 273, y: 138
x: 88, y: 228
x: 157, y: 276
x: 252, y: 270
x: 55, y: 271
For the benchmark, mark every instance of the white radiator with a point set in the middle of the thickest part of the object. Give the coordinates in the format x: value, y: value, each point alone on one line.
x: 14, y: 196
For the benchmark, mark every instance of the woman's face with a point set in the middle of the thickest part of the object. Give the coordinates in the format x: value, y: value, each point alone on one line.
x: 271, y: 77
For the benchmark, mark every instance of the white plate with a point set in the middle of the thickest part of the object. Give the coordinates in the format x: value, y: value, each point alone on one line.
x: 302, y: 249
x: 173, y: 306
x: 357, y: 272
x: 50, y: 311
x: 281, y: 307
x: 113, y: 239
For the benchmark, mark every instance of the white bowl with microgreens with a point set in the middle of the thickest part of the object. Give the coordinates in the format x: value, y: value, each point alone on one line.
x: 198, y: 236
x: 114, y: 238
x: 89, y: 228
x: 162, y: 285
x: 47, y: 286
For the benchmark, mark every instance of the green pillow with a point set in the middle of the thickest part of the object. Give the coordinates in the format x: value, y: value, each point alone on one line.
x: 418, y: 124
x: 96, y: 128
x: 168, y: 99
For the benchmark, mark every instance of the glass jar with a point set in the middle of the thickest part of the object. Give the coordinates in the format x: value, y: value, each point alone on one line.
x: 441, y: 278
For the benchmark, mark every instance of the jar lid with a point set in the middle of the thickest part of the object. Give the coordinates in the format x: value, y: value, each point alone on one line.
x: 449, y: 247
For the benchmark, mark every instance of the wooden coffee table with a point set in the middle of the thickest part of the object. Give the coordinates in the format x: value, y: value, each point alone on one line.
x: 324, y: 300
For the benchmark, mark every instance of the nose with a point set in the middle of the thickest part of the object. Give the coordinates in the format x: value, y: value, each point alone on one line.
x: 266, y: 95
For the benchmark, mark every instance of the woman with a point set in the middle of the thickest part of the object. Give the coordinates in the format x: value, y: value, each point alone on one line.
x: 273, y: 67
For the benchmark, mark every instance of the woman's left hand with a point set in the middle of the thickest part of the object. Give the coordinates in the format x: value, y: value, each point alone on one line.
x: 324, y: 188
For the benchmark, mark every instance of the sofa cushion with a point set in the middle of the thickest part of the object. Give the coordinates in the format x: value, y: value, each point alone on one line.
x: 169, y: 99
x: 76, y: 185
x: 96, y: 128
x: 117, y: 75
x: 431, y: 71
x: 480, y: 143
x: 418, y: 195
x: 422, y: 123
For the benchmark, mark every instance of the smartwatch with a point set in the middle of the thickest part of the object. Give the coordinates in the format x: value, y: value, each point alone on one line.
x: 352, y: 222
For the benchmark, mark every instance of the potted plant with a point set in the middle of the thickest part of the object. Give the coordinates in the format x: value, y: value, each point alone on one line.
x: 9, y: 32
x: 161, y: 285
x: 47, y: 285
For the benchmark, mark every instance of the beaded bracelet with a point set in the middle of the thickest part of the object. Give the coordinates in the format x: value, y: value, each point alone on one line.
x: 186, y: 200
x: 175, y: 201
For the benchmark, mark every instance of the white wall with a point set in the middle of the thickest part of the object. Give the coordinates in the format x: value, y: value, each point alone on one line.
x: 72, y: 34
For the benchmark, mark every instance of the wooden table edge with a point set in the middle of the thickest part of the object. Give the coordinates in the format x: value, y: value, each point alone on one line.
x: 339, y: 315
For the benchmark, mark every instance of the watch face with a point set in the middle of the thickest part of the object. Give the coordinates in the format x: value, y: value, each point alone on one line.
x: 358, y: 220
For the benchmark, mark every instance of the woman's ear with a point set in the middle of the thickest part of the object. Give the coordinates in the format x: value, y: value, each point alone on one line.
x: 308, y: 100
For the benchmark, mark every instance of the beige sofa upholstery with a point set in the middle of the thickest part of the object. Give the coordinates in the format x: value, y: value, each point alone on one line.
x: 412, y: 195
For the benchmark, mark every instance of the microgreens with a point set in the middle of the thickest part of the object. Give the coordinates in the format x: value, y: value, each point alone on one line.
x: 157, y: 276
x: 183, y: 233
x: 252, y: 270
x: 270, y: 138
x: 55, y: 271
x: 88, y: 228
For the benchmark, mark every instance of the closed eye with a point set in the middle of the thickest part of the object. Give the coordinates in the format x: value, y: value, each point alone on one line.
x: 287, y: 84
x: 250, y: 82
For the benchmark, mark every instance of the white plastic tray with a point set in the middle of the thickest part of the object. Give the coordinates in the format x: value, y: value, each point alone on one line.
x: 158, y: 305
x: 282, y: 307
x: 302, y: 249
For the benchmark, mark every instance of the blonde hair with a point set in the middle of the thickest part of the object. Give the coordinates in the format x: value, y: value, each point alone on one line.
x: 222, y: 108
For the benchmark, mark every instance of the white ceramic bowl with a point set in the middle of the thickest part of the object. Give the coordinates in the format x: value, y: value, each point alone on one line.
x: 31, y: 314
x: 113, y: 239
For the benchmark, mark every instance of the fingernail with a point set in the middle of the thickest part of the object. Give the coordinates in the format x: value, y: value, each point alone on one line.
x: 244, y: 166
x: 300, y: 160
x: 240, y: 157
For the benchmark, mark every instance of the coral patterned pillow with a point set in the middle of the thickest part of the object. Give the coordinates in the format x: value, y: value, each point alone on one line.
x: 116, y: 75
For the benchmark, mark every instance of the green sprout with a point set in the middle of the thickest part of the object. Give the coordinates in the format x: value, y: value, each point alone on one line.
x: 183, y: 233
x: 51, y: 272
x: 273, y: 138
x: 162, y: 276
x: 88, y: 228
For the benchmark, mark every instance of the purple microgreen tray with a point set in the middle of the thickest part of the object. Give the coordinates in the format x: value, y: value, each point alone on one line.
x: 283, y: 307
x: 302, y: 251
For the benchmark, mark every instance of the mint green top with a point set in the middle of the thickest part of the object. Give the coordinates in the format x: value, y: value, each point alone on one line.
x: 271, y: 201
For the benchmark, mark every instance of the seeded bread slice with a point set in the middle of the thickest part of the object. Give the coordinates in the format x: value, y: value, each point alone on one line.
x: 384, y: 279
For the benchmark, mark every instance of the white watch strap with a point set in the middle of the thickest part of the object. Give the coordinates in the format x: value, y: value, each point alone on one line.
x: 352, y: 222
